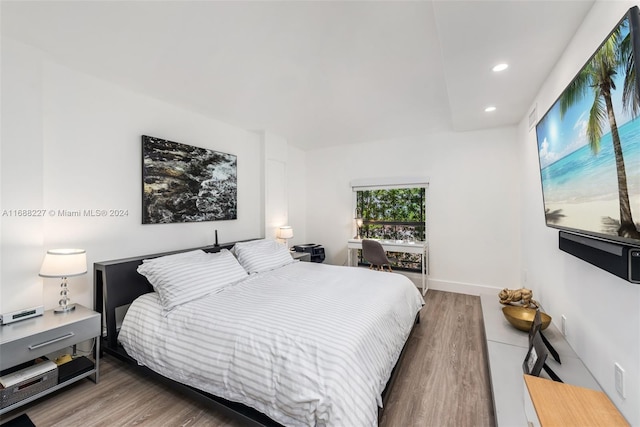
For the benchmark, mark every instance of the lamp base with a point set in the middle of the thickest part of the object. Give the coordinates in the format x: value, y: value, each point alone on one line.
x: 65, y: 309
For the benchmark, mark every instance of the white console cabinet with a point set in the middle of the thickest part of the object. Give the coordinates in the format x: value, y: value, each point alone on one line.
x: 506, y: 350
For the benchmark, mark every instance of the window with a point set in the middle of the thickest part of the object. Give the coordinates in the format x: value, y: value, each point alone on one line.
x: 396, y: 214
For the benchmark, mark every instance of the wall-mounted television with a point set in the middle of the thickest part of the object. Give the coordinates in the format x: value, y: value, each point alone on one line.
x: 589, y: 143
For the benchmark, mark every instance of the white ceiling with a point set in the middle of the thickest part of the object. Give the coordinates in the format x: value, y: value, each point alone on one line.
x: 317, y: 73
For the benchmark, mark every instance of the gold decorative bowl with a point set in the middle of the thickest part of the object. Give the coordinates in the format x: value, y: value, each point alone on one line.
x: 522, y: 317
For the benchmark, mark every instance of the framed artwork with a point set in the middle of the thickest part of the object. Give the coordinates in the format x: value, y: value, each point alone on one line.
x: 536, y: 329
x: 536, y: 326
x: 183, y: 183
x: 536, y: 357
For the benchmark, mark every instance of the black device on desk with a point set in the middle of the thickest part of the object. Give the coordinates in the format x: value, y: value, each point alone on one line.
x: 316, y: 251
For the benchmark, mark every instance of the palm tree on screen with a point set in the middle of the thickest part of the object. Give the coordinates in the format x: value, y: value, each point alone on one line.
x: 597, y: 79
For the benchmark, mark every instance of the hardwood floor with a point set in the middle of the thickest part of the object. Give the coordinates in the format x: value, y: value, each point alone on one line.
x: 443, y: 381
x: 444, y: 378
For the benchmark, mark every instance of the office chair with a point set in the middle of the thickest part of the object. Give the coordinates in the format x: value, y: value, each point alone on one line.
x: 374, y: 254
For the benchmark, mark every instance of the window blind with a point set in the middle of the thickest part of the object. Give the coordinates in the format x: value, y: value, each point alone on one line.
x: 365, y: 184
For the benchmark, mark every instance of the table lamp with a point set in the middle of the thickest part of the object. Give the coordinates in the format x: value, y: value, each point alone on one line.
x: 64, y: 263
x: 359, y: 223
x: 286, y: 233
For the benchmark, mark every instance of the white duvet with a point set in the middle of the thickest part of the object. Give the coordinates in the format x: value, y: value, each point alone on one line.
x: 307, y: 344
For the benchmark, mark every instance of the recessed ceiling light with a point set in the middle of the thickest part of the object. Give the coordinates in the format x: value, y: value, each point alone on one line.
x: 500, y: 67
x: 490, y: 109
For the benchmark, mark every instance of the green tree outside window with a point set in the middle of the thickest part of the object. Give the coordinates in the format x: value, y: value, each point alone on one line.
x: 394, y: 214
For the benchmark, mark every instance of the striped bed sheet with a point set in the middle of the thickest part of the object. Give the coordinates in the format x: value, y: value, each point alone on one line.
x: 306, y: 344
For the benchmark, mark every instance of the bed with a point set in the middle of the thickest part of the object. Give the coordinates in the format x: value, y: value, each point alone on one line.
x: 275, y: 341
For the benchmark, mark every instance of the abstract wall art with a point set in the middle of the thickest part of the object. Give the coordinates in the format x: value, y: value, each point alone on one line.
x: 183, y: 183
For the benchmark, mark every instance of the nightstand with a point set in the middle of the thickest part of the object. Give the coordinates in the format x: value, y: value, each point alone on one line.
x: 302, y: 256
x: 26, y: 340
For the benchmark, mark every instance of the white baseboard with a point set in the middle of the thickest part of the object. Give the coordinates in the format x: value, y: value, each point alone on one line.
x: 462, y: 288
x: 450, y: 286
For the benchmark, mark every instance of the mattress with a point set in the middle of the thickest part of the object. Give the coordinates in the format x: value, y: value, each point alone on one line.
x: 307, y: 344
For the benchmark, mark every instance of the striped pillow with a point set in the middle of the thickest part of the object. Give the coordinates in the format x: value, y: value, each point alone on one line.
x: 182, y: 279
x: 173, y: 257
x: 257, y: 256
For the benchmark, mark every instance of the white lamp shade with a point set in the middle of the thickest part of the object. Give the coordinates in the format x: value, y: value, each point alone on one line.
x: 64, y: 263
x: 286, y: 232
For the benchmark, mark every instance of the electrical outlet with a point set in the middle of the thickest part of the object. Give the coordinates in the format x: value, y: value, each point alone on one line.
x: 563, y: 325
x: 619, y: 379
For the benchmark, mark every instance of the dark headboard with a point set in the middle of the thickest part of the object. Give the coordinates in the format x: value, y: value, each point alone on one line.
x: 117, y: 283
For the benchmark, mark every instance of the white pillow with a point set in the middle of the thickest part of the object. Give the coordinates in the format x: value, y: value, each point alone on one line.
x: 173, y: 257
x: 179, y: 280
x: 168, y: 260
x: 257, y: 256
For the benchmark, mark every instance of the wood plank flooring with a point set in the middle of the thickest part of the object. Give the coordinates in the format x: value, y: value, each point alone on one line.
x: 443, y: 381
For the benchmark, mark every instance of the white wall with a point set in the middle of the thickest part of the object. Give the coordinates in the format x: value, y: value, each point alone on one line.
x: 284, y: 188
x: 71, y: 141
x: 21, y: 169
x: 276, y: 192
x: 472, y: 201
x: 297, y: 194
x: 602, y: 310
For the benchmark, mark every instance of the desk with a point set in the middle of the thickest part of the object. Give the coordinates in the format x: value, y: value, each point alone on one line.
x: 397, y: 246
